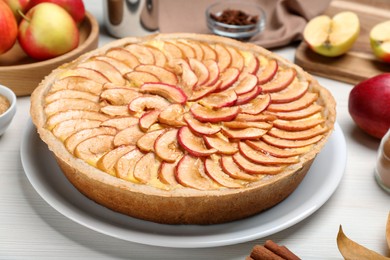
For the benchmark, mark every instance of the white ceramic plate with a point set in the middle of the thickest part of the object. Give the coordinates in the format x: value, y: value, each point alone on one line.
x: 316, y: 188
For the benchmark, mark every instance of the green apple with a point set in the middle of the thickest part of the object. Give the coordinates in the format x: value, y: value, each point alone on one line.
x: 380, y: 41
x: 332, y: 37
x: 47, y: 31
x: 8, y: 28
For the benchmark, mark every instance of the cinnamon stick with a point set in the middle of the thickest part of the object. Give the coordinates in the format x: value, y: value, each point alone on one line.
x: 259, y: 252
x: 280, y: 250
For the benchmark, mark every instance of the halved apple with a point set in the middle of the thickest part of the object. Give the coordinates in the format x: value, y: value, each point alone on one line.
x: 172, y: 115
x: 128, y: 136
x: 167, y: 147
x: 332, y: 36
x: 225, y: 98
x: 80, y: 83
x: 192, y: 143
x: 123, y: 55
x: 201, y: 128
x: 143, y: 103
x: 205, y: 114
x: 214, y: 171
x: 380, y: 41
x: 148, y: 119
x: 190, y: 173
x: 161, y: 73
x: 169, y: 92
x: 233, y: 170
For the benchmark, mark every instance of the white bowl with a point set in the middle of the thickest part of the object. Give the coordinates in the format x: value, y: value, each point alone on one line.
x: 7, y: 116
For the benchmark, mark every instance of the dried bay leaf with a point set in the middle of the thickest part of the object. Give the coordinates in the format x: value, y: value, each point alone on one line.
x: 353, y: 251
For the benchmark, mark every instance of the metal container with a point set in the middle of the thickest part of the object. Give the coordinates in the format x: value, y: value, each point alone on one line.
x: 125, y: 18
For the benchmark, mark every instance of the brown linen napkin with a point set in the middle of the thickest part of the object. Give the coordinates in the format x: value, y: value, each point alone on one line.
x: 286, y: 19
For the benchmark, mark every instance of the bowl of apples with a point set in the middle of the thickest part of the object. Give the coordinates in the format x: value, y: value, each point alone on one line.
x: 39, y: 36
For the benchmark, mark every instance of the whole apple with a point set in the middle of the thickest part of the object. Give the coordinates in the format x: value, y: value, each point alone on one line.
x: 74, y: 7
x: 48, y: 31
x: 369, y: 105
x: 17, y: 6
x: 380, y: 41
x: 8, y: 28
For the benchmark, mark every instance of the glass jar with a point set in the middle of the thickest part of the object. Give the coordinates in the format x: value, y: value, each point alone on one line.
x: 382, y: 169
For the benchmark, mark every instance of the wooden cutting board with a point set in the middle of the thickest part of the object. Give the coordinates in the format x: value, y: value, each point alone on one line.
x: 359, y: 63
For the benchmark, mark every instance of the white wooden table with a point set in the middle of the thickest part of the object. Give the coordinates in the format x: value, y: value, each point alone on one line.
x: 31, y: 229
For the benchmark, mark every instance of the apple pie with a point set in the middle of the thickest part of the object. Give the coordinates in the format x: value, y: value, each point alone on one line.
x: 183, y: 128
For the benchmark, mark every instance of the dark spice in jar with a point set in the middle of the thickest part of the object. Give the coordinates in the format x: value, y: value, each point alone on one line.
x: 235, y: 17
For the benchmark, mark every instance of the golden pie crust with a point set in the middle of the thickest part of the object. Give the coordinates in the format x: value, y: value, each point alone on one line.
x: 237, y: 150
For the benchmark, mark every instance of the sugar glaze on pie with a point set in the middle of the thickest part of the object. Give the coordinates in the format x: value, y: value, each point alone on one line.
x: 183, y: 128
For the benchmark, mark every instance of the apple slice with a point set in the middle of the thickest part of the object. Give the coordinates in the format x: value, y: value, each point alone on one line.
x: 143, y: 53
x: 251, y: 63
x: 63, y: 104
x: 225, y: 98
x: 202, y: 91
x: 380, y: 41
x: 201, y: 71
x: 172, y: 51
x: 306, y: 100
x: 187, y: 50
x: 79, y: 83
x: 237, y: 58
x: 254, y: 168
x: 66, y: 128
x: 332, y: 36
x: 122, y: 67
x: 73, y: 140
x: 247, y: 133
x: 190, y: 173
x: 123, y: 55
x: 215, y: 172
x: 192, y: 143
x: 208, y: 52
x: 147, y: 103
x: 91, y: 74
x: 188, y: 76
x: 303, y: 113
x: 169, y: 92
x: 247, y: 97
x: 92, y: 149
x: 128, y: 136
x: 275, y: 151
x: 137, y: 78
x: 224, y: 59
x: 122, y: 111
x: 124, y: 167
x: 146, y: 169
x: 267, y: 72
x: 56, y: 118
x: 255, y: 118
x: 228, y: 78
x: 200, y: 128
x: 261, y: 158
x: 172, y: 115
x: 159, y: 57
x: 119, y: 96
x: 283, y: 143
x: 299, y: 124
x: 213, y: 72
x: 257, y: 105
x: 245, y: 84
x: 60, y: 94
x: 298, y: 135
x: 148, y: 119
x: 161, y: 73
x: 281, y: 80
x: 109, y: 71
x: 120, y: 123
x: 107, y: 162
x: 246, y: 124
x: 233, y: 170
x: 293, y: 92
x: 195, y: 45
x: 166, y: 173
x: 167, y: 147
x: 222, y: 146
x: 204, y: 114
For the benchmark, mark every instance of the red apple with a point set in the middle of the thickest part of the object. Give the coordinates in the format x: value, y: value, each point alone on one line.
x: 17, y: 6
x: 369, y: 105
x: 74, y: 7
x: 47, y: 31
x: 8, y: 28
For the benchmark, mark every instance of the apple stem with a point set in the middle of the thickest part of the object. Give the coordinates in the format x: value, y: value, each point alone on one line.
x: 23, y: 16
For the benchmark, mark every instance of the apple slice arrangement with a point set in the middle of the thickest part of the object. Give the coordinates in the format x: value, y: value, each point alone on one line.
x: 174, y: 113
x: 172, y: 120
